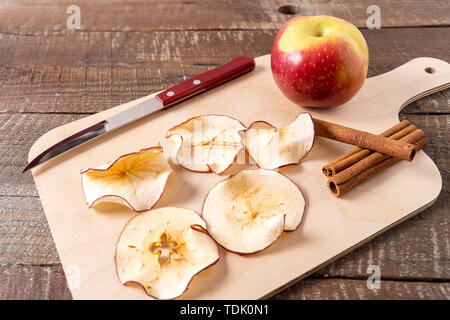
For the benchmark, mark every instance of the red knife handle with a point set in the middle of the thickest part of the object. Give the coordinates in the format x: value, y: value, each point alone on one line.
x: 206, y: 80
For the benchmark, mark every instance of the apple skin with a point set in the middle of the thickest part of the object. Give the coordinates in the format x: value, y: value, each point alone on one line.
x: 319, y: 61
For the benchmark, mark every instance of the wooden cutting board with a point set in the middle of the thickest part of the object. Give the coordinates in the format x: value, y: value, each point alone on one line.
x: 86, y: 238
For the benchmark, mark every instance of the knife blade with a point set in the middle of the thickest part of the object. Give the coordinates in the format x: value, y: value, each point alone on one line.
x: 169, y: 97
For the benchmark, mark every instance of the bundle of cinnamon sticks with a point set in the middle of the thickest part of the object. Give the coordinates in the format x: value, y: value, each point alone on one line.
x: 374, y: 154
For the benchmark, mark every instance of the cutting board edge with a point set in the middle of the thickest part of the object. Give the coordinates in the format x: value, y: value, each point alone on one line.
x: 356, y: 246
x: 55, y: 133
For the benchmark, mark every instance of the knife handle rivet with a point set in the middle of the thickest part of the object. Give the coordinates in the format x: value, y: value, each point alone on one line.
x: 170, y: 93
x: 196, y: 82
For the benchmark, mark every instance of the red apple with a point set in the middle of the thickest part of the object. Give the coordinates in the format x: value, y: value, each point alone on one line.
x: 319, y: 61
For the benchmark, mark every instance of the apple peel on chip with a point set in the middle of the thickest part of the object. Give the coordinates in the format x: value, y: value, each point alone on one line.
x: 272, y: 148
x: 247, y: 212
x: 136, y: 180
x: 163, y: 249
x: 207, y: 143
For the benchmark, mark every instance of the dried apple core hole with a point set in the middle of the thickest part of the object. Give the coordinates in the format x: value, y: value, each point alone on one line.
x: 165, y: 249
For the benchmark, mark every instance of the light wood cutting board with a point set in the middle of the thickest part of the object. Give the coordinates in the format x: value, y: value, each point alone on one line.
x: 86, y: 238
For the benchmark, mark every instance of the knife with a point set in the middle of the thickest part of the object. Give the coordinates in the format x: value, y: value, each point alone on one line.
x: 169, y: 97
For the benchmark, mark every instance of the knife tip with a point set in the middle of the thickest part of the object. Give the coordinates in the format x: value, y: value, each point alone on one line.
x: 28, y: 167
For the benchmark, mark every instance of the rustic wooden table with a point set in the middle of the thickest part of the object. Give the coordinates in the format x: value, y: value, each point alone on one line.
x: 51, y: 75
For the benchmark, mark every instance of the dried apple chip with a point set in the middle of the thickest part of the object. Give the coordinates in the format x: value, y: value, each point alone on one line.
x: 136, y: 180
x: 163, y: 249
x: 272, y: 148
x: 248, y: 211
x: 207, y: 143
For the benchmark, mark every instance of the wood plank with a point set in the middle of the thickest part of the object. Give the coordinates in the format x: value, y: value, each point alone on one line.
x: 37, y: 17
x: 35, y: 244
x: 33, y: 282
x: 85, y: 72
x: 415, y: 249
x: 345, y: 289
x: 25, y: 236
x: 48, y: 282
x: 18, y: 135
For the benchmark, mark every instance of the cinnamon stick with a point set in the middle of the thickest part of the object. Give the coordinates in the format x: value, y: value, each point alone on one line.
x: 356, y: 154
x: 365, y: 140
x: 370, y: 166
x: 373, y: 159
x: 338, y: 189
x: 349, y: 161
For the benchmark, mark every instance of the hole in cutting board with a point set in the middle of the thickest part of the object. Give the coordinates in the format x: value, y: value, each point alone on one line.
x: 289, y: 9
x: 430, y: 70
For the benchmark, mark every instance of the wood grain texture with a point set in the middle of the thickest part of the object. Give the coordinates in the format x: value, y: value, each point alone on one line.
x: 86, y: 72
x: 19, y: 131
x: 33, y: 282
x: 120, y: 55
x: 417, y: 249
x: 345, y: 289
x: 390, y: 201
x: 25, y: 237
x: 32, y: 17
x: 414, y: 250
x: 48, y: 282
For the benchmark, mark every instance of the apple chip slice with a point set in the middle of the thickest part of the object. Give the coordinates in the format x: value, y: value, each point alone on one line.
x: 272, y: 148
x: 207, y: 143
x: 163, y: 249
x: 136, y: 180
x: 248, y: 211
